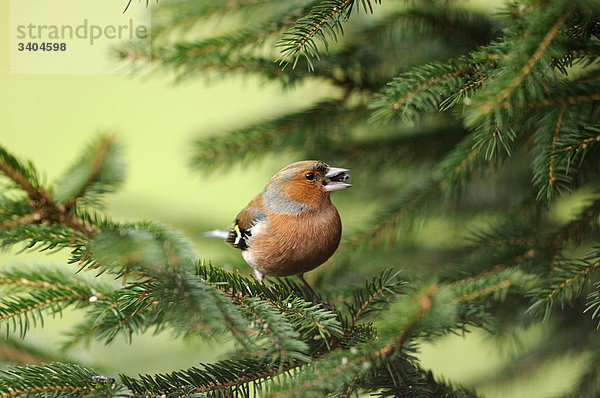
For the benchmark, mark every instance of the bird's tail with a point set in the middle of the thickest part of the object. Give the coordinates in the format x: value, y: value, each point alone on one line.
x: 215, y: 233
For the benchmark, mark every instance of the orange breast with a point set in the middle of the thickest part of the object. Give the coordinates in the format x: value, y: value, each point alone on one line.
x: 291, y: 244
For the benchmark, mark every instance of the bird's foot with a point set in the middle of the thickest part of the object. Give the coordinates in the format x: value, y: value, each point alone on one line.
x: 325, y: 306
x: 316, y: 297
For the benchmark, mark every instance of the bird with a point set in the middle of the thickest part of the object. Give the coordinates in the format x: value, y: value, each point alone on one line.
x: 291, y: 226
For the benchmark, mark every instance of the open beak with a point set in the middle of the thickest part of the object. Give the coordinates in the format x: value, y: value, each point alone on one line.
x: 334, y: 179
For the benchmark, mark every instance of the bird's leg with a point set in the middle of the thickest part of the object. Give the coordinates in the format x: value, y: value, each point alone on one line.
x: 316, y: 297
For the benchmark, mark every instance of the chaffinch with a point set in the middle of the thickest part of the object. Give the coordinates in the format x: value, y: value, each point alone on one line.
x: 291, y: 227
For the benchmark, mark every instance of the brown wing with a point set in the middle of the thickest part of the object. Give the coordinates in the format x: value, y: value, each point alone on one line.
x: 240, y: 230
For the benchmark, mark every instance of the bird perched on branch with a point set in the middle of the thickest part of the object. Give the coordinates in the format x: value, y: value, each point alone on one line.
x: 291, y: 227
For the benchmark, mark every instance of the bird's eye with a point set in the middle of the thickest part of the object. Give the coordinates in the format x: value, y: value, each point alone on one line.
x: 309, y: 176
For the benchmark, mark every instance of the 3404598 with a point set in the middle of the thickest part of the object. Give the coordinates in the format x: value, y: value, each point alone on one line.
x: 44, y: 46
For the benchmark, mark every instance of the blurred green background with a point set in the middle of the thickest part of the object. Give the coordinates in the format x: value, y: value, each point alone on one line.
x: 50, y: 118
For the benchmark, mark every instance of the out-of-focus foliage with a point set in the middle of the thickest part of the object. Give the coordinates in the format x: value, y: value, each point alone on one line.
x: 441, y: 111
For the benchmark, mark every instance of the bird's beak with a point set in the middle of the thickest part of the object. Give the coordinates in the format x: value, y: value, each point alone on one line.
x: 334, y: 179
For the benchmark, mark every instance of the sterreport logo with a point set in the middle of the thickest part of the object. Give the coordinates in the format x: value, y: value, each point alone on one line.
x: 76, y: 36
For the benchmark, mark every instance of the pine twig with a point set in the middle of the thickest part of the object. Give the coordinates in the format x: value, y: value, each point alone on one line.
x: 551, y: 177
x: 398, y: 103
x: 527, y: 68
x: 97, y: 162
x: 316, y: 28
x: 35, y: 195
x: 572, y: 279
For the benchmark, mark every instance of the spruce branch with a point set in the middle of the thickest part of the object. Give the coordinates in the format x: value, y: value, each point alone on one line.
x: 530, y: 101
x: 324, y: 18
x: 567, y: 283
x: 417, y: 146
x: 99, y: 170
x: 456, y: 167
x: 12, y: 209
x: 126, y: 312
x: 374, y: 297
x: 551, y: 177
x: 146, y: 247
x: 227, y: 377
x: 185, y: 14
x: 563, y: 157
x: 225, y: 48
x: 30, y: 293
x: 526, y: 69
x: 23, y: 175
x: 313, y: 321
x: 45, y: 211
x: 56, y: 380
x: 303, y: 128
x: 515, y: 72
x: 593, y: 304
x: 43, y: 237
x: 283, y: 344
x: 22, y: 220
x: 505, y: 246
x: 399, y: 214
x: 337, y: 370
x: 450, y: 21
x: 495, y: 282
x: 420, y: 90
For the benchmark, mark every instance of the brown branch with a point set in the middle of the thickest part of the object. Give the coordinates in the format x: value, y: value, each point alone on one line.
x: 582, y: 144
x: 321, y: 23
x: 34, y: 193
x: 351, y: 386
x: 580, y: 274
x: 505, y: 284
x: 249, y: 379
x: 27, y: 282
x: 97, y: 163
x: 470, y: 86
x: 151, y: 303
x: 237, y: 298
x: 469, y: 158
x: 26, y: 219
x: 298, y: 314
x: 365, y: 305
x: 45, y: 211
x: 551, y: 177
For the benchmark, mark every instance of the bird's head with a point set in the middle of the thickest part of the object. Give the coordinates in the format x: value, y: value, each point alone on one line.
x: 307, y: 183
